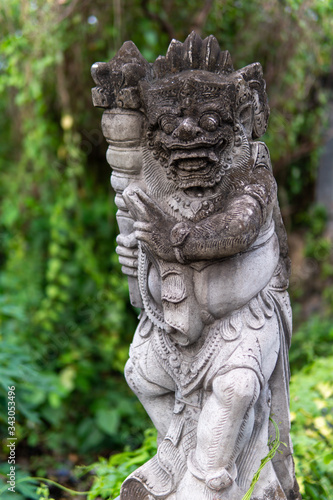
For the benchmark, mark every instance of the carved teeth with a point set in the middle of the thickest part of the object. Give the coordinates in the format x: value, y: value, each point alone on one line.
x: 193, y: 174
x: 192, y: 164
x: 194, y: 154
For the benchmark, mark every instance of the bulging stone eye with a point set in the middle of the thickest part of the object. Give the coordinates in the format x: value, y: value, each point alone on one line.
x: 168, y: 123
x: 209, y: 121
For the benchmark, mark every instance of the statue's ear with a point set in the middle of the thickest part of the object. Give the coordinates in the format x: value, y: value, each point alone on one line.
x: 253, y: 75
x: 246, y: 117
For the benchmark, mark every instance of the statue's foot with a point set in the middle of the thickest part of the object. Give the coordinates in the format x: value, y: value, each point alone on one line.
x: 215, y: 485
x: 157, y: 478
x: 191, y: 488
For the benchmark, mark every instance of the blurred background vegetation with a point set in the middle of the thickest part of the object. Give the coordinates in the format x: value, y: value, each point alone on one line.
x: 65, y: 318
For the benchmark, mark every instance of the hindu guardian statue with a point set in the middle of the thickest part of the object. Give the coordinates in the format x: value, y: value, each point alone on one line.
x: 205, y: 251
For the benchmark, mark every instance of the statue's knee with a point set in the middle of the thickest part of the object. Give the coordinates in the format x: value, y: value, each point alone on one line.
x: 140, y: 385
x: 240, y: 384
x: 130, y: 375
x: 134, y: 379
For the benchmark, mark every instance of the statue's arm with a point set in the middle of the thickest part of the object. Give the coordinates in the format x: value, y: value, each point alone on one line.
x: 231, y: 231
x: 219, y: 235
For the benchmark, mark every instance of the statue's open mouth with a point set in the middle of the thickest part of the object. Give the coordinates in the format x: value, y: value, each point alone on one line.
x: 193, y: 164
x: 189, y: 169
x: 197, y: 163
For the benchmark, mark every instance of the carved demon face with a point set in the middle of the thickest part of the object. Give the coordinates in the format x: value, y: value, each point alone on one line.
x: 191, y: 126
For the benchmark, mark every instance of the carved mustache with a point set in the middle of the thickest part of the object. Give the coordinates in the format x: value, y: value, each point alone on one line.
x: 200, y: 144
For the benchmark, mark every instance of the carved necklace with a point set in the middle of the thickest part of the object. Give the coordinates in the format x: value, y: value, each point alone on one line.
x: 195, y: 208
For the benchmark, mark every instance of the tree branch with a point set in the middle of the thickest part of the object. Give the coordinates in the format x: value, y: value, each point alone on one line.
x: 68, y: 11
x: 201, y: 17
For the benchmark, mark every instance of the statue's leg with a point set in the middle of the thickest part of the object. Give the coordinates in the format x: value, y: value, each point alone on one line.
x: 227, y: 418
x: 225, y: 423
x: 153, y: 386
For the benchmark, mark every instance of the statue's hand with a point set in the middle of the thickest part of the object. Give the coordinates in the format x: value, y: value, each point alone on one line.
x: 127, y: 251
x: 152, y: 226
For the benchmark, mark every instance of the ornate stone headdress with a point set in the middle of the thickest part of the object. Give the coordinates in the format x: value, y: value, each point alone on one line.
x: 123, y: 82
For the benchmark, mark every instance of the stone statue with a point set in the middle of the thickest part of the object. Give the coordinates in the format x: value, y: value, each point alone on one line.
x: 203, y: 244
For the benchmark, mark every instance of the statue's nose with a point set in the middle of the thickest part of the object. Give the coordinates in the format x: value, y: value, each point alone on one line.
x: 187, y: 130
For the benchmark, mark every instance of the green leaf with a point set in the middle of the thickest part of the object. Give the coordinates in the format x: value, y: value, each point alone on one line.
x: 328, y: 458
x: 108, y: 421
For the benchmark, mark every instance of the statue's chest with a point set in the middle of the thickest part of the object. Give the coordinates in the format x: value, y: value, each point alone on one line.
x: 194, y: 208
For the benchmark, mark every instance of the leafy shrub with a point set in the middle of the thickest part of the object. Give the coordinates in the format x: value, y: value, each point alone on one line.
x: 311, y: 392
x: 110, y: 474
x: 25, y: 487
x: 313, y: 340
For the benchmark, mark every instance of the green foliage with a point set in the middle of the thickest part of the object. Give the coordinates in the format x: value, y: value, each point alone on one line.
x: 313, y: 340
x: 43, y: 493
x: 317, y: 245
x: 315, y: 276
x: 25, y: 486
x: 311, y: 358
x: 17, y: 369
x: 110, y: 474
x: 64, y: 298
x: 311, y: 393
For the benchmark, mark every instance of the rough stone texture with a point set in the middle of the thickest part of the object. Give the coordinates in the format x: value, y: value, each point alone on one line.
x: 203, y: 244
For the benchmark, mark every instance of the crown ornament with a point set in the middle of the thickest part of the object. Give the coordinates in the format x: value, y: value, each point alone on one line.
x: 126, y: 80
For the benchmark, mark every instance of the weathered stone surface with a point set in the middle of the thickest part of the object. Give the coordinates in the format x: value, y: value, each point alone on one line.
x: 203, y: 243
